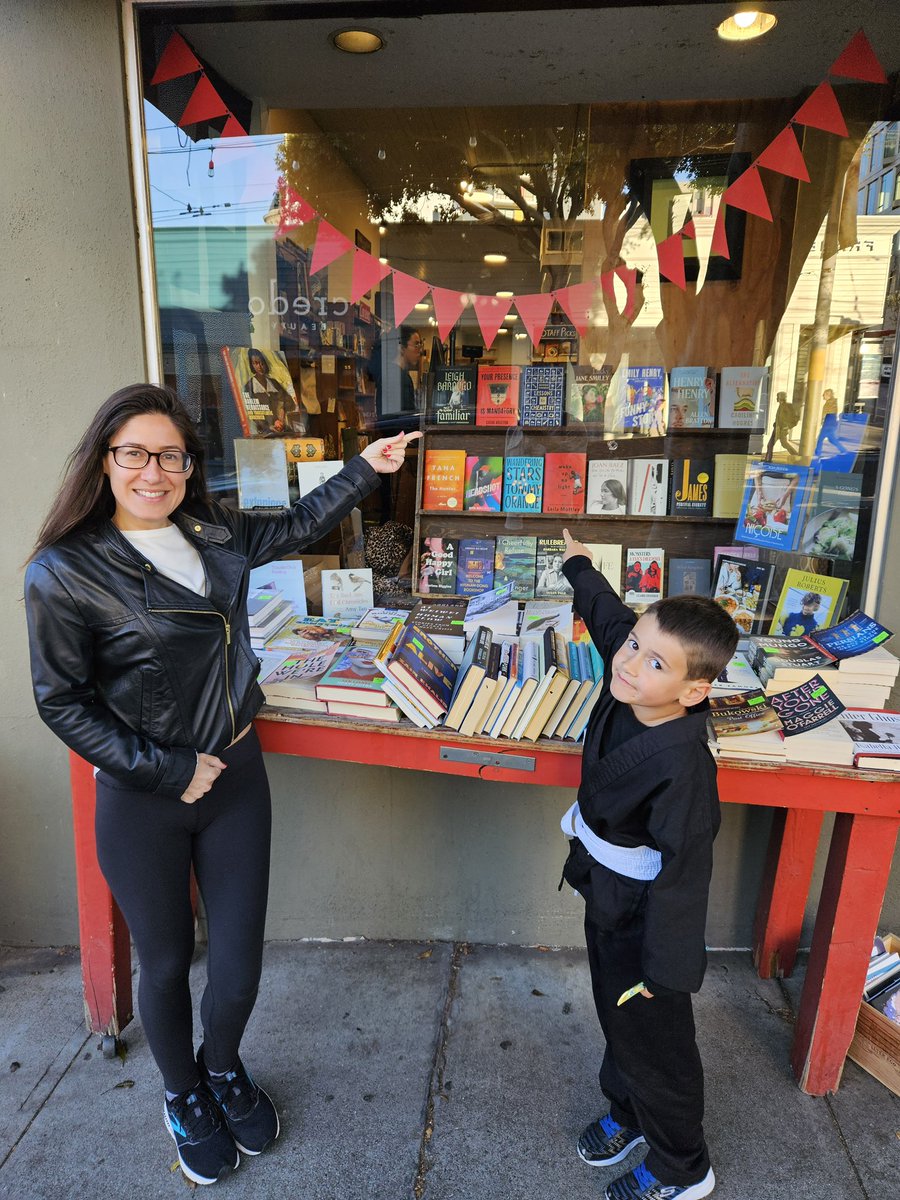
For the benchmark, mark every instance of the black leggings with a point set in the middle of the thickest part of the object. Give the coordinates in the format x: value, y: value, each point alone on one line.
x: 146, y: 845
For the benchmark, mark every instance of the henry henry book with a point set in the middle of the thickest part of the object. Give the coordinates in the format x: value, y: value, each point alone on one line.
x: 644, y: 408
x: 692, y: 398
x: 772, y: 503
x: 452, y: 400
x: 498, y: 396
x: 543, y: 396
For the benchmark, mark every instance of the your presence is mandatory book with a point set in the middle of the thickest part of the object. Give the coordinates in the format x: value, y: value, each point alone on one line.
x: 832, y: 516
x: 452, y: 399
x: 743, y: 398
x: 644, y: 405
x: 443, y: 479
x: 808, y: 602
x: 475, y: 566
x: 483, y: 489
x: 607, y: 487
x: 523, y: 483
x: 498, y: 396
x: 564, y: 477
x: 515, y: 558
x: 691, y: 487
x: 771, y: 506
x: 437, y: 566
x: 543, y: 396
x: 692, y: 398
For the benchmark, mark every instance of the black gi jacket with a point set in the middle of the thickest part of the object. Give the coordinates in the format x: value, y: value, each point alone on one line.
x: 657, y: 789
x: 135, y: 672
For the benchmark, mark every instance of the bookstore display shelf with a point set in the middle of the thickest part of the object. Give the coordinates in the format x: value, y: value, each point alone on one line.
x: 564, y: 518
x: 866, y: 808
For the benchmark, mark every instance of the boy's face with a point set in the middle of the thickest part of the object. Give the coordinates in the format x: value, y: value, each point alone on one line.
x: 649, y: 673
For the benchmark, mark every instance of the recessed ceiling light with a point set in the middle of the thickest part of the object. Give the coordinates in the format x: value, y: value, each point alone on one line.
x: 495, y: 259
x: 357, y: 41
x: 502, y: 330
x: 422, y: 307
x: 512, y: 318
x: 746, y: 24
x: 504, y: 295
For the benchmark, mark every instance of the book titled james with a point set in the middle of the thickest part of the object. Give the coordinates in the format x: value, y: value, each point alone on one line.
x: 806, y: 706
x: 543, y: 396
x: 856, y: 634
x: 564, y: 475
x: 437, y: 566
x: 648, y: 487
x: 424, y: 669
x: 692, y: 398
x: 452, y: 400
x: 691, y: 487
x: 550, y: 583
x: 498, y: 396
x: 643, y: 576
x: 483, y: 490
x: 443, y: 480
x: 588, y: 394
x: 475, y: 566
x: 832, y: 516
x: 743, y: 397
x: 644, y: 404
x: 607, y: 487
x: 523, y: 483
x: 875, y: 734
x: 771, y: 506
x: 514, y: 563
x: 689, y: 576
x: 808, y: 602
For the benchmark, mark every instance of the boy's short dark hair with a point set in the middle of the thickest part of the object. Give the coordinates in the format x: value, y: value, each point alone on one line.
x: 811, y: 600
x: 707, y: 634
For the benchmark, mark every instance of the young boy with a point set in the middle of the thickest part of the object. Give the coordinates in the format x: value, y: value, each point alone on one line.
x: 641, y: 856
x: 805, y: 620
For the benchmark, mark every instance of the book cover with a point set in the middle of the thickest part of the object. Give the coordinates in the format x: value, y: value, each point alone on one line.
x: 424, y: 668
x: 263, y: 391
x: 875, y: 733
x: 692, y: 398
x: 564, y: 476
x: 770, y: 654
x: 444, y: 622
x: 443, y: 479
x: 376, y: 623
x: 772, y: 503
x: 475, y: 566
x: 607, y: 487
x: 737, y: 676
x: 648, y: 487
x: 311, y: 475
x: 607, y: 559
x: 743, y: 713
x: 483, y: 490
x: 482, y: 701
x: 832, y: 516
x: 498, y: 396
x: 515, y: 559
x: 689, y: 577
x: 743, y: 398
x: 856, y: 634
x: 729, y: 478
x: 347, y: 594
x: 437, y: 566
x: 691, y: 487
x: 749, y: 552
x: 588, y: 393
x: 543, y: 614
x: 643, y: 576
x: 808, y: 602
x: 296, y: 677
x: 549, y: 579
x: 523, y: 483
x: 261, y: 602
x: 742, y: 588
x: 262, y: 480
x: 469, y: 675
x: 806, y: 706
x: 543, y: 396
x: 644, y: 405
x: 354, y: 678
x: 452, y: 398
x: 286, y: 576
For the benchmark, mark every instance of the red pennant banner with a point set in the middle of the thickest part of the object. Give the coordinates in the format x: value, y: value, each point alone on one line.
x: 490, y: 311
x: 858, y: 61
x: 688, y: 229
x: 448, y: 306
x: 822, y: 111
x: 233, y: 128
x: 205, y: 104
x: 671, y: 260
x: 295, y: 211
x: 408, y: 291
x: 534, y: 309
x: 576, y: 303
x: 330, y: 244
x: 748, y: 193
x: 628, y: 275
x: 719, y: 244
x: 177, y: 59
x: 608, y: 284
x: 785, y: 156
x: 367, y: 271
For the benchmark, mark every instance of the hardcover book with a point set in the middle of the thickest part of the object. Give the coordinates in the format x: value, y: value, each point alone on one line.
x: 475, y: 566
x: 743, y: 398
x: 347, y: 594
x: 691, y: 487
x: 564, y: 475
x: 648, y: 486
x: 261, y: 473
x: 643, y: 576
x: 644, y: 406
x: 806, y: 706
x: 452, y: 400
x: 523, y: 483
x: 376, y: 623
x: 424, y: 669
x: 437, y: 566
x: 607, y: 487
x: 729, y: 477
x: 856, y: 634
x: 549, y: 579
x: 832, y: 516
x: 808, y: 602
x: 689, y: 577
x: 443, y: 621
x: 263, y: 391
x: 876, y: 737
x: 588, y: 394
x: 498, y: 396
x: 607, y: 559
x: 354, y: 678
x: 483, y: 490
x: 772, y: 503
x: 543, y: 396
x: 470, y: 674
x: 692, y: 398
x: 443, y: 480
x: 515, y: 559
x: 311, y: 475
x: 286, y: 576
x: 742, y: 588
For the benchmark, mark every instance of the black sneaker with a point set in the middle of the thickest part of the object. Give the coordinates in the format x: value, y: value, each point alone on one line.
x: 248, y: 1111
x: 606, y: 1142
x: 640, y: 1184
x: 206, y: 1150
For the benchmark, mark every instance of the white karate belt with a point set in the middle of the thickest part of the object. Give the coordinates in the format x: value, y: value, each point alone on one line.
x: 637, y: 862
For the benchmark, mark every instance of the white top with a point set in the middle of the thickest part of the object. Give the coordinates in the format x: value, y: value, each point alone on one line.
x: 172, y: 555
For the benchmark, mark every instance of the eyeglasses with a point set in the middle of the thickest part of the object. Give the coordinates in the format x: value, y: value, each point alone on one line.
x: 175, y: 462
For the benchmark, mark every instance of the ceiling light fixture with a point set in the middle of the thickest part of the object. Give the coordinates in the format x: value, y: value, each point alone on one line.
x: 504, y: 295
x: 495, y: 260
x: 746, y: 24
x: 357, y: 41
x: 422, y: 307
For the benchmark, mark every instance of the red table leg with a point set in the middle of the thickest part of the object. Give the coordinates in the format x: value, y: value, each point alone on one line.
x: 856, y: 876
x: 784, y: 889
x: 105, y: 944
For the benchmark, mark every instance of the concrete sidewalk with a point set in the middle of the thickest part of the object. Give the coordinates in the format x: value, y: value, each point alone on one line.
x: 407, y: 1070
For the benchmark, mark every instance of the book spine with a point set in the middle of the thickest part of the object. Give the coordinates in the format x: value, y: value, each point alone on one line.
x: 236, y: 392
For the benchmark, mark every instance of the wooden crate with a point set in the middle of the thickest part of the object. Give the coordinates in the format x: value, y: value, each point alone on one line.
x: 876, y: 1043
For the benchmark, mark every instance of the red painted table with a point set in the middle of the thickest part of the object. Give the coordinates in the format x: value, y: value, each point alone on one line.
x: 867, y: 817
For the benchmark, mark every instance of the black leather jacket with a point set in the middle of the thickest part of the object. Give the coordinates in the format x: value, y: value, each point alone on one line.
x: 135, y: 672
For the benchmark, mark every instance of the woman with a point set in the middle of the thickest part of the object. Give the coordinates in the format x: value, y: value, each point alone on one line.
x: 611, y: 501
x: 141, y: 661
x: 266, y: 392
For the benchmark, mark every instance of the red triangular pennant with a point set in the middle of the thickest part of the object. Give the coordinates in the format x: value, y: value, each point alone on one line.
x: 688, y: 229
x: 330, y: 244
x: 205, y: 104
x: 233, y: 128
x: 448, y: 306
x: 822, y: 111
x: 534, y: 309
x: 608, y: 284
x: 576, y: 302
x: 295, y: 211
x: 367, y: 272
x: 490, y: 311
x: 407, y: 291
x: 858, y: 61
x: 784, y: 156
x: 628, y: 275
x: 748, y: 193
x: 719, y: 243
x: 671, y: 260
x: 176, y: 60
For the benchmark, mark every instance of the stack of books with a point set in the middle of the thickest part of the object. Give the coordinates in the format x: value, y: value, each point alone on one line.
x: 353, y: 686
x: 864, y: 681
x: 876, y: 738
x: 267, y: 612
x: 744, y: 725
x: 883, y: 973
x: 418, y: 675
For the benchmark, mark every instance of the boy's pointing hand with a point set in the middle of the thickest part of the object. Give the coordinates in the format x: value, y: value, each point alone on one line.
x: 574, y: 548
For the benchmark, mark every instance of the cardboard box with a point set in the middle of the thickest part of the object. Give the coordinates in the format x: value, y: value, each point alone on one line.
x: 876, y: 1043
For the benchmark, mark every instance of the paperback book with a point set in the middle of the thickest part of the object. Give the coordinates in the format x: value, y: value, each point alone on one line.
x: 564, y: 475
x: 607, y: 487
x: 854, y: 635
x: 808, y: 602
x: 769, y: 655
x: 806, y: 706
x: 742, y: 588
x: 452, y: 400
x: 293, y: 683
x: 443, y: 480
x: 691, y: 488
x: 689, y: 577
x: 515, y: 560
x: 648, y: 487
x: 692, y: 398
x: 737, y: 676
x: 498, y: 396
x: 876, y: 737
x: 475, y: 566
x: 483, y: 490
x: 284, y: 575
x: 772, y: 503
x: 743, y: 398
x: 437, y: 566
x: 832, y: 516
x: 543, y: 396
x: 540, y: 615
x: 261, y: 467
x: 376, y: 623
x: 643, y: 576
x: 443, y: 621
x: 550, y: 582
x: 523, y: 483
x: 607, y: 559
x: 588, y: 393
x: 311, y: 475
x: 354, y: 678
x: 347, y: 594
x: 424, y: 669
x: 729, y: 478
x: 743, y: 713
x: 644, y: 406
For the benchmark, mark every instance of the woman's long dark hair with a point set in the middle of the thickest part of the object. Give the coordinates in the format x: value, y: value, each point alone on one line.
x: 85, y: 497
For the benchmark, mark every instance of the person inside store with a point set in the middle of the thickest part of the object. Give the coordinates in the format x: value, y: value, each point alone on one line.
x: 640, y: 855
x: 141, y: 662
x: 394, y: 356
x: 265, y: 391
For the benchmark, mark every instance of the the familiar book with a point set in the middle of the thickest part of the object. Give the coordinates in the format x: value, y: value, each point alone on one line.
x: 452, y: 399
x: 483, y: 490
x: 564, y: 482
x: 443, y: 479
x: 543, y: 395
x: 498, y: 396
x: 743, y: 398
x: 523, y: 483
